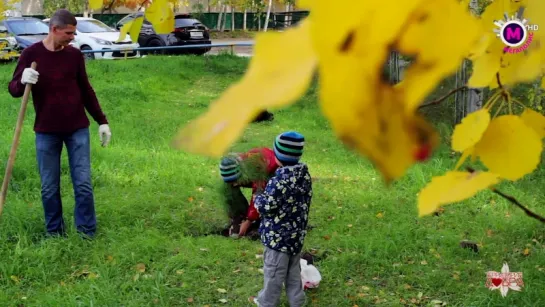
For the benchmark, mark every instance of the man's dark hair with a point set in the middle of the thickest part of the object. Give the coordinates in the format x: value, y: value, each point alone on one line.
x: 62, y: 18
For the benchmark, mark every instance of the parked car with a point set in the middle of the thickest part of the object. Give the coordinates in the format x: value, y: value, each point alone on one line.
x: 27, y: 30
x: 187, y: 31
x: 93, y: 34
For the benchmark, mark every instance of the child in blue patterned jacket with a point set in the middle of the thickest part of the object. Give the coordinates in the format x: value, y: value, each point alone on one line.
x: 284, y: 208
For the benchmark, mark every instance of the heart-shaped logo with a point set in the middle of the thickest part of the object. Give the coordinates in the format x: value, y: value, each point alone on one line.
x: 496, y: 281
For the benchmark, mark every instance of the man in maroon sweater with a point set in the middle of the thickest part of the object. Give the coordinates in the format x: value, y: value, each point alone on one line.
x: 61, y: 93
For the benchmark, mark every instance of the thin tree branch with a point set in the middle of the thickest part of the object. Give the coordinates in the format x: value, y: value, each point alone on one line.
x: 514, y: 201
x: 438, y: 101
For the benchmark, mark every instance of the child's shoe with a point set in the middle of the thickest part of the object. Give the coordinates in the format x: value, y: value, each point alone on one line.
x: 253, y: 300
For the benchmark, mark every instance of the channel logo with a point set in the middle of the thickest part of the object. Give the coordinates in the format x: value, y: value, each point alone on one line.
x: 515, y: 32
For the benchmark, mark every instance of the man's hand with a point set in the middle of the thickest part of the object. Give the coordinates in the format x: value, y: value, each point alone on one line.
x: 29, y: 76
x: 105, y: 134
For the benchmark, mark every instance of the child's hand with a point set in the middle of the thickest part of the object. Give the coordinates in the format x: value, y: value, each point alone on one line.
x: 244, y: 227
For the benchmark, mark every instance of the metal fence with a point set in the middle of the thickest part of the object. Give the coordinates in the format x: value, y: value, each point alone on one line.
x: 126, y: 51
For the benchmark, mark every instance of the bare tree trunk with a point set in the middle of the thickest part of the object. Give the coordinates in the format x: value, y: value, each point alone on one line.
x: 287, y: 20
x: 460, y: 98
x: 218, y: 24
x: 232, y: 18
x: 86, y: 9
x: 224, y: 21
x: 475, y: 96
x: 267, y: 17
x: 244, y: 20
x: 394, y: 70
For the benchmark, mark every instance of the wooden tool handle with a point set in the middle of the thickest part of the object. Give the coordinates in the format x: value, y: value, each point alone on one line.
x: 15, y: 144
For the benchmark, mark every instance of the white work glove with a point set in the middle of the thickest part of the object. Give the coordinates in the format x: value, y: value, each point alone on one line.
x: 29, y: 76
x: 105, y: 134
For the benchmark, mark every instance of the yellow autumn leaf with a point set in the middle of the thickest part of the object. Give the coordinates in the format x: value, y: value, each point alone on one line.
x: 382, y: 131
x: 535, y: 13
x: 509, y: 147
x: 161, y: 16
x: 95, y: 4
x: 486, y: 66
x: 453, y: 187
x: 276, y: 77
x: 529, y: 67
x: 467, y: 133
x: 133, y: 28
x: 437, y: 23
x: 534, y: 120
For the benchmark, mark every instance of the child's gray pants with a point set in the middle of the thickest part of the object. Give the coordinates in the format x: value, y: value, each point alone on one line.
x: 281, y: 268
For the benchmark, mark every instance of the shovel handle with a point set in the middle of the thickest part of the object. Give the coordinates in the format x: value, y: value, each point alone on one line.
x: 15, y: 144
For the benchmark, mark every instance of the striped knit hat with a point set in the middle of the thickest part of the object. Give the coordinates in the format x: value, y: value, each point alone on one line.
x: 288, y: 147
x: 230, y: 169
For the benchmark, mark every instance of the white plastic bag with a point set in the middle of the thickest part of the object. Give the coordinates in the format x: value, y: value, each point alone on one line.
x: 310, y: 277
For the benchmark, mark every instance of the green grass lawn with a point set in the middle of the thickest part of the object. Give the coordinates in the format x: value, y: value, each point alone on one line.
x: 155, y: 206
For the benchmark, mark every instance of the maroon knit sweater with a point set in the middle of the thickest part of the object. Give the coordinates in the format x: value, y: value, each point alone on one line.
x: 62, y: 93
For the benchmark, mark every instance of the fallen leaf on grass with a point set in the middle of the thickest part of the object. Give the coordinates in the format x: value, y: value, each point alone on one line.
x: 526, y: 252
x: 261, y: 271
x: 456, y: 276
x: 223, y: 301
x: 438, y: 303
x: 380, y: 215
x: 204, y: 249
x: 258, y: 256
x: 327, y: 237
x: 236, y: 271
x: 110, y: 259
x: 190, y: 300
x: 15, y: 279
x: 361, y: 294
x: 190, y: 199
x: 179, y: 272
x: 489, y: 233
x: 141, y: 267
x: 365, y: 288
x: 349, y: 225
x: 220, y: 290
x: 407, y: 287
x: 423, y: 262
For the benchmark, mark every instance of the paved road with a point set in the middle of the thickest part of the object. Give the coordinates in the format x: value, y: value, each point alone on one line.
x: 239, y: 50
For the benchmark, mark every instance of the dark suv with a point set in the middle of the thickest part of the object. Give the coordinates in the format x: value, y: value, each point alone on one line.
x: 187, y: 31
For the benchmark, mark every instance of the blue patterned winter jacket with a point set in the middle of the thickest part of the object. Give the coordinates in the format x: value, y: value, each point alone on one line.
x: 284, y: 208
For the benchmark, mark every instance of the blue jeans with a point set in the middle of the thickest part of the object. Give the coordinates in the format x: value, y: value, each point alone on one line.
x: 48, y: 152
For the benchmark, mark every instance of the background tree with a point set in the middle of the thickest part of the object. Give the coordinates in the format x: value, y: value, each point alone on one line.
x: 74, y: 6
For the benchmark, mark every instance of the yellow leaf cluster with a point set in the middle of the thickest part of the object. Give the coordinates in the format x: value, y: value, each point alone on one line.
x: 159, y: 13
x: 494, y: 63
x: 509, y: 146
x: 368, y: 114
